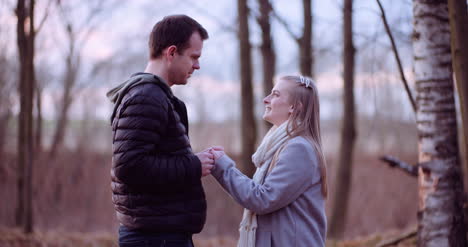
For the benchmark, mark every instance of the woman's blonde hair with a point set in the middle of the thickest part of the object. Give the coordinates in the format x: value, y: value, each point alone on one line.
x: 305, y: 118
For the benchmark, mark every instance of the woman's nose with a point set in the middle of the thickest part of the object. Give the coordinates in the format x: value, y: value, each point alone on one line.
x: 266, y: 100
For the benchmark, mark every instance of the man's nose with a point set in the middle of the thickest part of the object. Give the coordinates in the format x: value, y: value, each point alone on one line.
x: 196, y: 65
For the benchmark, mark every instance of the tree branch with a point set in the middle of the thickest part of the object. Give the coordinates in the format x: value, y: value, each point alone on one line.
x: 199, y: 9
x: 91, y: 19
x: 396, y: 240
x: 397, y: 56
x: 44, y: 18
x: 411, y: 170
x: 285, y: 25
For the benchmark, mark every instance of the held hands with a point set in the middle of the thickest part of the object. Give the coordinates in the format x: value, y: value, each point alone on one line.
x: 207, y: 158
x: 217, y: 153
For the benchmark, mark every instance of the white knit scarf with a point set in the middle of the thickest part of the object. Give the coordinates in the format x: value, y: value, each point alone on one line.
x: 262, y: 158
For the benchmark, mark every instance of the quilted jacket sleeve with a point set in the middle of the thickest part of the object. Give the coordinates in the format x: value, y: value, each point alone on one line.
x: 137, y: 135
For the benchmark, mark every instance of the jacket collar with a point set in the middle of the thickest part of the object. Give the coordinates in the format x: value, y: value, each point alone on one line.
x: 159, y: 81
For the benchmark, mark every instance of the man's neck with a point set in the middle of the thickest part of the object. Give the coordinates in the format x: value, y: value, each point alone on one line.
x: 156, y: 67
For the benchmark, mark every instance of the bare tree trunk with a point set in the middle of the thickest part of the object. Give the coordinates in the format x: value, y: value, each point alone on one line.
x: 38, y: 131
x: 348, y: 131
x: 25, y: 41
x: 62, y: 121
x: 86, y: 128
x: 248, y: 128
x: 305, y: 42
x: 459, y: 39
x: 5, y: 109
x: 440, y: 216
x: 4, y: 120
x: 69, y: 81
x: 268, y: 53
x: 75, y: 44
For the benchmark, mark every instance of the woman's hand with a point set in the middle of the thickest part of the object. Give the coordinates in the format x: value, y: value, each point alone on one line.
x: 217, y: 153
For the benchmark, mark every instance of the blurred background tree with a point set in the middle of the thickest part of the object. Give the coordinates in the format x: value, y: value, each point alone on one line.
x: 348, y: 129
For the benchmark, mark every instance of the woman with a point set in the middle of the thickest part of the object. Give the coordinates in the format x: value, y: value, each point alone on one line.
x: 285, y: 201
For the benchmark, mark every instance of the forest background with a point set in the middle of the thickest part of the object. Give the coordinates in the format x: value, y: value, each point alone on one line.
x: 55, y: 136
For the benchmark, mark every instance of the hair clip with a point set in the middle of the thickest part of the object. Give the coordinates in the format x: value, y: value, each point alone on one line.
x: 306, y: 81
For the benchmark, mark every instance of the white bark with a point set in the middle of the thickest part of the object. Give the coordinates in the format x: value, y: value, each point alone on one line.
x: 440, y: 187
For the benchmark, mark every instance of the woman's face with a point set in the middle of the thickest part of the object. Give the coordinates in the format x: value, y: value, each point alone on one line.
x: 277, y: 106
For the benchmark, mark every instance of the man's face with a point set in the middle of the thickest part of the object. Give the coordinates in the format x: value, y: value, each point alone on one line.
x: 185, y: 63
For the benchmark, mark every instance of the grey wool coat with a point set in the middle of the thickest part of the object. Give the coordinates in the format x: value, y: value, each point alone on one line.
x: 289, y: 204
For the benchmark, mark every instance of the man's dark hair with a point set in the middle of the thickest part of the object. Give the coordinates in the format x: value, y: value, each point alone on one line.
x: 173, y: 30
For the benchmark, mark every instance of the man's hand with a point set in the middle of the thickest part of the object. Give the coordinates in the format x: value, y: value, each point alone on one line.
x: 207, y: 159
x: 217, y: 148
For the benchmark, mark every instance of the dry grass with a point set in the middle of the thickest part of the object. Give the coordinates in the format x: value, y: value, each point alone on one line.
x: 11, y: 237
x: 373, y: 241
x: 14, y: 238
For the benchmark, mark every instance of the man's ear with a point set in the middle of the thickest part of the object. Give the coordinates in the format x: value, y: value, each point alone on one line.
x: 170, y: 52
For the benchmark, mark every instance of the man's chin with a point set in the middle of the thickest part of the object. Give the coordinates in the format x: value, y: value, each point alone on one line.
x: 184, y: 82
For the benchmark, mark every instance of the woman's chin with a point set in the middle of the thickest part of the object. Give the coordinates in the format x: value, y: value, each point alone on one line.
x: 267, y: 119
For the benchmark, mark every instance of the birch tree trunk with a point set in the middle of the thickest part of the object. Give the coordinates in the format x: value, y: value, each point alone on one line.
x: 348, y: 131
x: 248, y: 127
x: 440, y: 215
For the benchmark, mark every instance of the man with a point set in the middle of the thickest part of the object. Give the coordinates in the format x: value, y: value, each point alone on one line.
x: 156, y: 178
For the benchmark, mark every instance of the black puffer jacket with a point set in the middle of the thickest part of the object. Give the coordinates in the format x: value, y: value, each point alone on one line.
x: 156, y: 178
